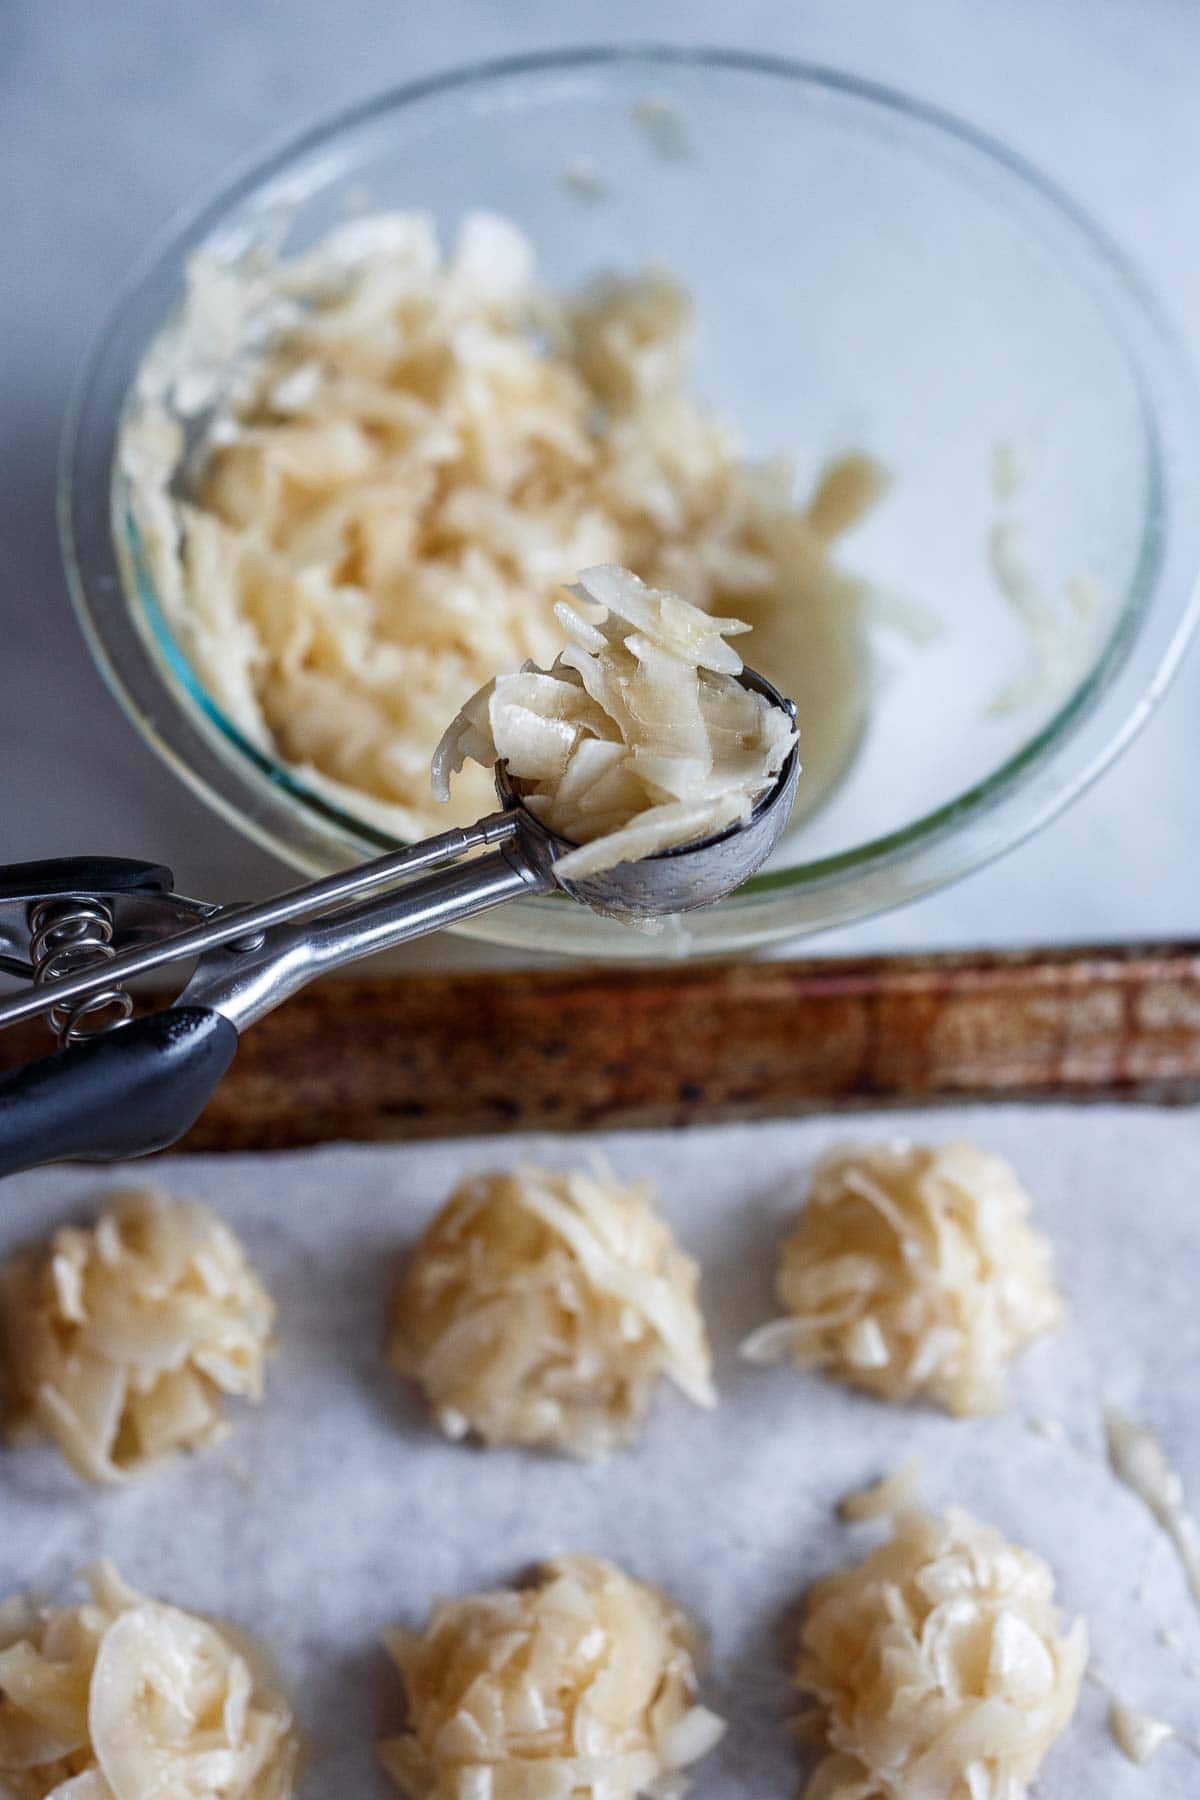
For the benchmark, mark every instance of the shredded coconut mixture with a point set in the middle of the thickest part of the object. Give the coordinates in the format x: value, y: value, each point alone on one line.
x: 582, y: 1687
x: 542, y: 1307
x: 121, y: 1340
x: 1062, y: 631
x: 639, y: 737
x: 940, y: 1666
x: 913, y: 1271
x: 125, y: 1699
x: 361, y: 476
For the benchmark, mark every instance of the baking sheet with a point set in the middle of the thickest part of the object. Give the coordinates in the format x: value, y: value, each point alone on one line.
x: 335, y: 1509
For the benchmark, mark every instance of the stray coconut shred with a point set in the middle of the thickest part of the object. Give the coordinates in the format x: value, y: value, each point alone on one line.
x: 1138, y: 1458
x: 1138, y: 1735
x: 639, y: 737
x: 891, y: 1494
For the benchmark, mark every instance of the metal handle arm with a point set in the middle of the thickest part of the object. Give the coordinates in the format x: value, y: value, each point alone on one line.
x: 245, y: 985
x: 241, y: 922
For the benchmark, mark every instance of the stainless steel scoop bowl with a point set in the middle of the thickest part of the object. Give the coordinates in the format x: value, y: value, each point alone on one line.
x: 682, y: 879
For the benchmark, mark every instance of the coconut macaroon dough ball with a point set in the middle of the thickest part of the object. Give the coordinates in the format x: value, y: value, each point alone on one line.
x: 122, y: 1698
x: 542, y: 1307
x: 940, y: 1668
x: 580, y: 1687
x: 913, y: 1271
x: 639, y: 737
x: 121, y: 1340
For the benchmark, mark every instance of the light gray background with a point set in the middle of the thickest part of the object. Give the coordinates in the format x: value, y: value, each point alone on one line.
x: 114, y: 115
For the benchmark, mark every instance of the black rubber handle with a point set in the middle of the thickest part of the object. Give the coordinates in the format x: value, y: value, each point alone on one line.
x: 82, y: 875
x: 131, y: 1091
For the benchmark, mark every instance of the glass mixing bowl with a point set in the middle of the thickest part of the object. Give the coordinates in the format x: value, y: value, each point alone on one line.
x: 865, y: 272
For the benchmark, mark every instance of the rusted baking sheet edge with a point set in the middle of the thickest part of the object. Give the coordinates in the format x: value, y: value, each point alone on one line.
x: 442, y: 1055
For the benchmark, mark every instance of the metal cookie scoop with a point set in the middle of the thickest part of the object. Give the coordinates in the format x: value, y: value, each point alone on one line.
x: 76, y: 931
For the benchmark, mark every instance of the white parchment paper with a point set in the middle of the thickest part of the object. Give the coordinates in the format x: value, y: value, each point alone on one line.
x: 335, y: 1508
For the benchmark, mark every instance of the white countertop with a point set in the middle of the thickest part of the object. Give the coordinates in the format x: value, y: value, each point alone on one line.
x: 115, y: 116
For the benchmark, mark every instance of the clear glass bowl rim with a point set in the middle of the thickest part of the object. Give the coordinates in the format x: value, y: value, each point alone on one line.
x: 939, y: 847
